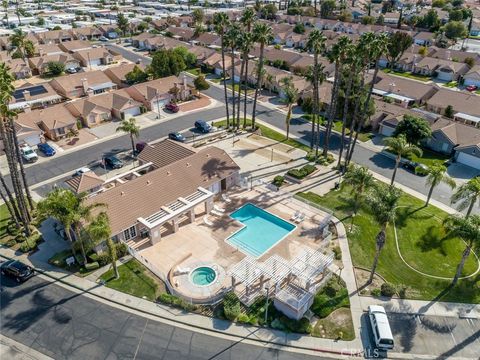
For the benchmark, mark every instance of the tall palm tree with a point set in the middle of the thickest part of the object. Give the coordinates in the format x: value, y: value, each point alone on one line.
x: 221, y: 21
x: 436, y: 174
x: 290, y: 98
x: 99, y: 230
x: 5, y: 9
x: 130, y: 127
x: 262, y: 34
x: 17, y: 5
x: 316, y: 44
x: 19, y: 40
x: 232, y: 38
x: 360, y: 179
x: 401, y: 148
x: 245, y: 45
x: 248, y: 19
x: 382, y: 202
x: 467, y: 195
x: 468, y: 229
x: 10, y: 202
x: 337, y: 55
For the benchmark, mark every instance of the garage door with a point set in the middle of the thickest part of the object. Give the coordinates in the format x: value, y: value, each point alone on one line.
x: 132, y: 112
x: 386, y: 130
x: 95, y: 62
x: 472, y: 82
x: 469, y: 160
x: 158, y: 104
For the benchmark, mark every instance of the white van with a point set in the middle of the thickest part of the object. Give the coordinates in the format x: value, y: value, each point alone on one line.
x: 381, y: 328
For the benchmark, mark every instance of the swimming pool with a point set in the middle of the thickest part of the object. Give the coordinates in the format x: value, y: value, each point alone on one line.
x: 262, y: 230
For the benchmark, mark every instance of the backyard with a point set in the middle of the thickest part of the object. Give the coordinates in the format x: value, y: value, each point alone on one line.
x: 422, y: 242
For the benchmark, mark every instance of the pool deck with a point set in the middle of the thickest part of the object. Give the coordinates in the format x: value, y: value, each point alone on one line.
x: 198, y: 243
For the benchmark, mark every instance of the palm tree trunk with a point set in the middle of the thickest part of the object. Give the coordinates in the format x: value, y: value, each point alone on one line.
x: 232, y: 58
x: 242, y: 67
x: 67, y: 229
x: 397, y: 163
x: 356, y: 121
x: 258, y: 85
x: 18, y: 14
x: 429, y: 195
x: 470, y: 208
x: 332, y: 111
x: 344, y: 118
x: 11, y: 201
x: 287, y: 120
x: 315, y: 97
x: 113, y: 256
x: 380, y: 242
x: 82, y: 246
x: 350, y: 144
x: 225, y: 83
x: 460, y: 266
x: 9, y: 207
x: 132, y: 140
x: 245, y: 94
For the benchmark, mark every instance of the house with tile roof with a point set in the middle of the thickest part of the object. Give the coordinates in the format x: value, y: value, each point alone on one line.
x: 466, y: 106
x: 444, y: 70
x: 39, y: 64
x: 472, y: 77
x: 33, y: 96
x: 81, y: 84
x: 88, y: 182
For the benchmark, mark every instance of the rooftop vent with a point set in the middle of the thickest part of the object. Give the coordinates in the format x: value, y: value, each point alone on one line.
x: 122, y: 193
x: 188, y: 164
x: 148, y: 182
x: 169, y: 173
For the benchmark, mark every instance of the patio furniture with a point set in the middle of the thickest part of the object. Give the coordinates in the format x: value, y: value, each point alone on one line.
x: 226, y: 198
x: 215, y: 212
x: 295, y: 216
x: 207, y: 221
x: 182, y: 271
x: 300, y: 218
x: 218, y: 208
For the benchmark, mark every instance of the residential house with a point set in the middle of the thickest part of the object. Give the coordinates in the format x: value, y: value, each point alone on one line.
x: 208, y: 40
x: 454, y: 55
x: 402, y: 91
x: 466, y: 106
x: 75, y: 45
x: 54, y: 36
x: 139, y: 40
x: 184, y: 182
x: 39, y: 64
x: 88, y: 183
x: 281, y: 58
x: 81, y: 84
x: 93, y: 110
x: 97, y: 56
x: 387, y: 116
x: 5, y: 43
x: 302, y: 65
x: 160, y: 24
x: 472, y: 77
x: 117, y: 73
x: 5, y: 55
x: 110, y: 31
x: 19, y: 68
x: 27, y: 133
x: 55, y: 121
x: 444, y: 70
x: 202, y: 53
x: 33, y: 96
x: 86, y: 33
x: 47, y: 49
x: 391, y: 18
x: 157, y: 93
x: 424, y: 38
x: 180, y: 33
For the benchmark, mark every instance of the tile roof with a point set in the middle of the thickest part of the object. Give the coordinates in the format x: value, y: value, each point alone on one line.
x: 460, y: 101
x: 85, y: 182
x: 53, y: 117
x: 165, y: 153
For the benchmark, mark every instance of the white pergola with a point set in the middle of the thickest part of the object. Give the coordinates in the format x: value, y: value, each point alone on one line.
x: 309, y: 265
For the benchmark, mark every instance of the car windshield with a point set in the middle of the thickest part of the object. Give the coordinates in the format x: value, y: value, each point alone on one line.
x: 19, y: 266
x: 28, y: 152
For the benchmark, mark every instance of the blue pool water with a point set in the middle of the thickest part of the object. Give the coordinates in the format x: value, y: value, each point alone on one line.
x: 262, y: 230
x: 203, y: 276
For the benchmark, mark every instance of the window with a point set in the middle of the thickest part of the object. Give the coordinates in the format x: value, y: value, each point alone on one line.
x: 61, y: 131
x: 130, y: 233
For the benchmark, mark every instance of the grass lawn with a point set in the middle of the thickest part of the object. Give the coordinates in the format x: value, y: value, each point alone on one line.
x: 423, y: 78
x: 430, y: 157
x: 422, y: 242
x: 4, y: 217
x: 272, y: 134
x: 451, y: 84
x: 135, y: 280
x: 335, y: 326
x: 237, y: 87
x: 59, y: 260
x: 195, y: 72
x: 337, y: 126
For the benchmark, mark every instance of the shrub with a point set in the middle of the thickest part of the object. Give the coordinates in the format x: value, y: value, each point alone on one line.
x: 231, y: 306
x: 20, y: 238
x: 175, y: 301
x: 278, y: 180
x: 122, y: 250
x: 92, y: 266
x: 375, y: 292
x: 243, y: 319
x: 200, y: 83
x: 11, y: 242
x: 12, y: 229
x: 387, y: 289
x: 307, y: 105
x: 302, y: 172
x: 301, y: 326
x: 337, y: 252
x: 332, y: 296
x: 26, y: 247
x: 402, y: 291
x: 103, y: 259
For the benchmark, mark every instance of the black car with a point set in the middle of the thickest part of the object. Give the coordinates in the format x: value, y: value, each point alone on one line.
x: 113, y: 162
x: 16, y: 270
x: 176, y: 136
x: 203, y: 126
x: 416, y: 168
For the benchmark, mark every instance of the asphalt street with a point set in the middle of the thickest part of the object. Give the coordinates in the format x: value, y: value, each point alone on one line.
x: 91, y: 155
x: 67, y: 325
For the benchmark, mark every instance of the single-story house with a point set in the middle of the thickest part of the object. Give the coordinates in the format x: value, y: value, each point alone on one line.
x: 19, y: 68
x: 88, y: 182
x: 117, y: 73
x: 138, y: 41
x: 39, y: 65
x: 208, y: 40
x: 96, y: 56
x: 48, y: 49
x: 454, y: 55
x: 54, y: 36
x: 34, y: 96
x: 466, y: 106
x: 86, y: 33
x: 81, y: 84
x: 180, y: 33
x: 75, y: 45
x: 403, y: 91
x: 424, y: 38
x: 445, y: 70
x: 472, y: 77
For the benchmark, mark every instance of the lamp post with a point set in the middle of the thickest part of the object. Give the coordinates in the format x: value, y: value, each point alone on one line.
x: 266, y: 304
x: 158, y: 105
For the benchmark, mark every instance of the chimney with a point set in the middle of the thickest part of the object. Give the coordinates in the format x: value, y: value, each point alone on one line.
x: 85, y: 85
x: 26, y: 95
x: 27, y: 109
x: 184, y: 82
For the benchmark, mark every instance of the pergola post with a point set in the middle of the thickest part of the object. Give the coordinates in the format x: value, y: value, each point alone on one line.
x: 192, y: 216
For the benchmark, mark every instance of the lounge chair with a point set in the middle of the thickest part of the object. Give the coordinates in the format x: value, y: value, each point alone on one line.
x: 218, y: 208
x: 300, y: 218
x: 215, y: 212
x: 182, y: 271
x: 226, y: 199
x: 295, y: 216
x: 207, y: 221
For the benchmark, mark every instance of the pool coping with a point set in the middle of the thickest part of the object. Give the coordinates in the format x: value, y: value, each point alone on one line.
x: 244, y: 226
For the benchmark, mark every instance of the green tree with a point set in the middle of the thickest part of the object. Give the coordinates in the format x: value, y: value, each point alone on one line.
x: 455, y: 15
x: 248, y: 19
x: 401, y: 148
x: 382, y: 202
x: 41, y: 21
x: 221, y: 21
x: 262, y: 34
x: 189, y: 58
x: 467, y: 195
x: 99, y: 230
x: 414, y: 128
x: 429, y: 21
x: 398, y: 43
x: 5, y: 10
x: 360, y: 180
x: 470, y: 61
x: 142, y: 27
x: 21, y: 44
x: 455, y: 30
x: 232, y: 38
x: 467, y: 229
x: 299, y: 28
x: 368, y: 20
x: 436, y: 174
x: 269, y: 12
x: 166, y: 63
x: 200, y: 83
x: 326, y: 8
x: 55, y: 68
x: 198, y: 16
x: 136, y: 76
x: 290, y: 97
x: 122, y: 23
x: 130, y: 127
x: 449, y: 112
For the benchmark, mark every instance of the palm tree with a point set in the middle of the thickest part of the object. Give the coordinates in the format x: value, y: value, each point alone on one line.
x: 130, y: 127
x: 360, y: 179
x: 316, y: 44
x: 221, y: 21
x: 99, y: 230
x: 337, y: 56
x: 18, y: 13
x: 436, y: 174
x: 232, y: 38
x: 245, y: 42
x: 467, y: 195
x: 468, y: 229
x: 10, y: 202
x: 290, y: 98
x: 19, y: 40
x: 382, y: 202
x: 262, y: 34
x: 5, y: 8
x: 248, y: 19
x: 401, y: 148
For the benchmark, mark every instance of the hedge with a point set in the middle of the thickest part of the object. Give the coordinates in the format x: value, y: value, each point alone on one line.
x: 303, y: 172
x: 175, y: 301
x: 231, y: 306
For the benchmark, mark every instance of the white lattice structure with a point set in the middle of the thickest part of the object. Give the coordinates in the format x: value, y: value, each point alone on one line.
x: 309, y: 265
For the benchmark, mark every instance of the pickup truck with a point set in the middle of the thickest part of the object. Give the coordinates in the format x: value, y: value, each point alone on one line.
x: 28, y: 154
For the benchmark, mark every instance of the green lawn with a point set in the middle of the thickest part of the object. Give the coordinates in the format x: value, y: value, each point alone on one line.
x: 337, y: 126
x: 59, y: 260
x: 195, y: 72
x: 408, y: 75
x: 422, y: 242
x: 271, y: 134
x: 135, y: 280
x: 237, y: 87
x: 430, y: 157
x: 4, y: 217
x: 451, y: 84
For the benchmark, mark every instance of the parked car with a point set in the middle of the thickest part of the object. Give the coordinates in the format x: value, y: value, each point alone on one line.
x: 113, y: 162
x: 176, y: 136
x: 46, y: 149
x: 28, y: 154
x: 172, y: 107
x: 381, y: 328
x: 71, y: 70
x: 203, y: 126
x: 81, y: 171
x: 414, y: 167
x: 102, y: 38
x: 16, y: 270
x: 471, y: 87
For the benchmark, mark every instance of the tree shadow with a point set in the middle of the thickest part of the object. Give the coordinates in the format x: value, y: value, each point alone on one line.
x: 431, y: 241
x: 460, y: 346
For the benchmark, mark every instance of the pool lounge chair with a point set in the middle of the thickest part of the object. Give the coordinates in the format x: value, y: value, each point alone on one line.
x: 300, y: 218
x: 207, y: 221
x: 218, y: 208
x: 182, y: 271
x: 215, y: 212
x: 226, y: 198
x: 295, y: 216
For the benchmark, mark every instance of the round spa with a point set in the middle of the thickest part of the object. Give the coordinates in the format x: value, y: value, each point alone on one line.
x: 203, y: 276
